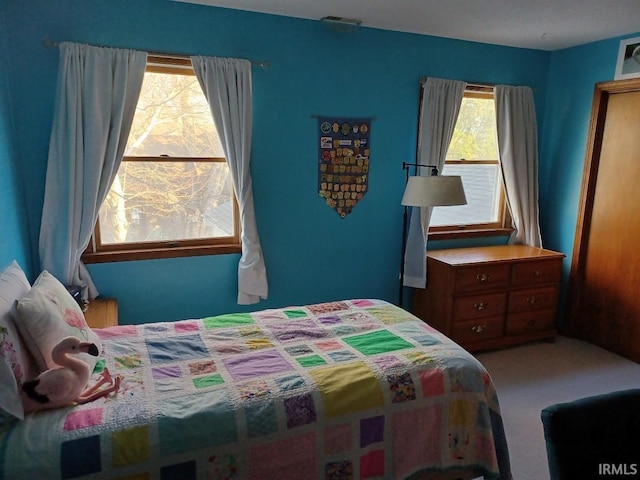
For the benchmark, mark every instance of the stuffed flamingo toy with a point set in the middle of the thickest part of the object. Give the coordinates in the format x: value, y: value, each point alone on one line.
x: 67, y: 384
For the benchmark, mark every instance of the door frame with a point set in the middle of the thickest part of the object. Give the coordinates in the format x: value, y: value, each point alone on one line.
x: 602, y: 92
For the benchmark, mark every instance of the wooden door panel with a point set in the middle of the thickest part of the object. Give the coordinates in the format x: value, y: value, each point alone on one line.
x: 607, y: 278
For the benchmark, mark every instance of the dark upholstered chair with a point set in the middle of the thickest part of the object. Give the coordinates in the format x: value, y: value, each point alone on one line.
x: 594, y: 437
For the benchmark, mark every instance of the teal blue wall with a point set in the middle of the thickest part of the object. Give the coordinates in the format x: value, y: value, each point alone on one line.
x: 573, y: 74
x: 14, y: 242
x: 311, y: 253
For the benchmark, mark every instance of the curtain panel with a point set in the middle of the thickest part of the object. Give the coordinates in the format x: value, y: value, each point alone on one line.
x: 441, y: 103
x: 518, y: 149
x: 97, y: 93
x: 226, y: 83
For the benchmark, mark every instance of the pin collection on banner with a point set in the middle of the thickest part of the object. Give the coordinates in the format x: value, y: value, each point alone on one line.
x: 343, y: 163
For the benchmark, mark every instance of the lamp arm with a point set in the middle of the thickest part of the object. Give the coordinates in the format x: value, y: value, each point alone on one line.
x: 405, y: 166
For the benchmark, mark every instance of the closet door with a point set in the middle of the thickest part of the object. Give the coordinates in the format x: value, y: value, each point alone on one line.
x: 604, y: 296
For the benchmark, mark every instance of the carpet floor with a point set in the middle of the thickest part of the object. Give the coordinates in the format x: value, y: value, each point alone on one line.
x: 531, y: 377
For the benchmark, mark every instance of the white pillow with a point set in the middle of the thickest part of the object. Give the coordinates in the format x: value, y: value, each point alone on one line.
x: 16, y: 363
x: 46, y: 315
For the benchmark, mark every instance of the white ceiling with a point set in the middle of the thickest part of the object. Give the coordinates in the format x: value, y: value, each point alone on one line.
x: 538, y: 24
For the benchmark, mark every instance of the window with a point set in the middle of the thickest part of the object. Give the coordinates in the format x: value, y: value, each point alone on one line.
x: 473, y: 155
x: 173, y: 194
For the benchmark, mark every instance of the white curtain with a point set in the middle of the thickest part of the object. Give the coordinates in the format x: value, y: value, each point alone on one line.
x: 226, y: 83
x: 441, y: 102
x: 97, y: 93
x: 518, y: 147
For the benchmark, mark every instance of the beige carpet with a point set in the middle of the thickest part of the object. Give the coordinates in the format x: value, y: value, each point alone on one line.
x: 533, y: 376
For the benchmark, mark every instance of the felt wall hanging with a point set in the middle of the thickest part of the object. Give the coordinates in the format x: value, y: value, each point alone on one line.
x: 343, y: 161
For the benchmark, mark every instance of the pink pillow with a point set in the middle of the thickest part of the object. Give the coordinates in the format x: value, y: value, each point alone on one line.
x: 46, y: 315
x: 16, y: 363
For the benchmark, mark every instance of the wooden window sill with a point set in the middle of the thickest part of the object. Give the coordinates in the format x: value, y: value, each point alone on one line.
x: 470, y: 233
x: 151, y: 254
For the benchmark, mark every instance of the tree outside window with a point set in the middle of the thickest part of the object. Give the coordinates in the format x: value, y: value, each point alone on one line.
x: 173, y: 193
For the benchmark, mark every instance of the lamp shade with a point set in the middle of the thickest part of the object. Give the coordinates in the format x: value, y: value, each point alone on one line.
x: 433, y: 191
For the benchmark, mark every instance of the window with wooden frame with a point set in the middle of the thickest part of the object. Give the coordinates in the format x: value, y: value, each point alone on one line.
x: 473, y: 155
x: 173, y: 194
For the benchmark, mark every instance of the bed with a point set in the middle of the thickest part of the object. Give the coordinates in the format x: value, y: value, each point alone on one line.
x: 346, y: 389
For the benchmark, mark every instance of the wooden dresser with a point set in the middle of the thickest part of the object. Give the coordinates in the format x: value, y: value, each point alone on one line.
x: 491, y: 297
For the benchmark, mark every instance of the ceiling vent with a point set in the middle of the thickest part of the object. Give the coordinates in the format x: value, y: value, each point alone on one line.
x: 340, y: 24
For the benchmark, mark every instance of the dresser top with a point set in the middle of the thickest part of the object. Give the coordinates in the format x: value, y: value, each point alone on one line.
x: 500, y: 253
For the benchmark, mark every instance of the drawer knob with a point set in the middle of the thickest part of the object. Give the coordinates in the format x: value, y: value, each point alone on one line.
x: 531, y: 323
x: 483, y: 277
x: 537, y: 273
x: 480, y: 306
x: 531, y: 300
x: 478, y: 328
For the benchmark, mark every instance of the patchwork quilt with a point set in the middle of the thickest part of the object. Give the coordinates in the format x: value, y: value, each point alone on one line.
x: 356, y: 389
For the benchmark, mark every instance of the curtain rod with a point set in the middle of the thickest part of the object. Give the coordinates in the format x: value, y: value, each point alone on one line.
x: 474, y: 85
x: 469, y: 84
x: 338, y: 116
x: 48, y: 43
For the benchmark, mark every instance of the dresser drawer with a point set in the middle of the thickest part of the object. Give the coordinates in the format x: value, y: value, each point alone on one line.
x: 530, y: 322
x: 480, y: 329
x: 478, y: 306
x: 481, y: 278
x: 536, y: 273
x: 532, y: 299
